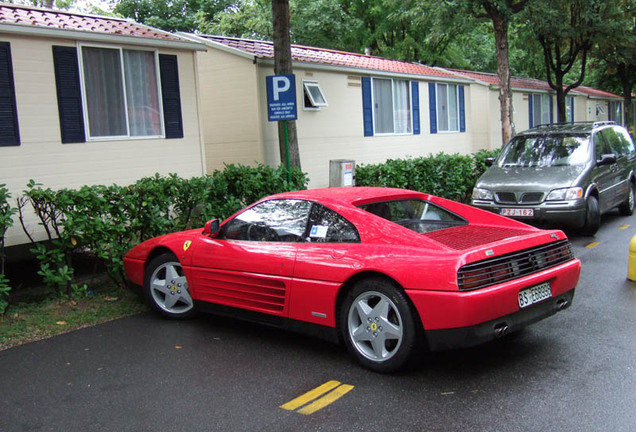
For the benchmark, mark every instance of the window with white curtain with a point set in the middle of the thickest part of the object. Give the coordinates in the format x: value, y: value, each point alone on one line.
x: 392, y: 106
x: 121, y: 92
x: 447, y: 108
x: 540, y: 109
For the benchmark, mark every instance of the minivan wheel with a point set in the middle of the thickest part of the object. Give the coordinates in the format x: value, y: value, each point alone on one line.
x: 592, y: 217
x: 627, y: 208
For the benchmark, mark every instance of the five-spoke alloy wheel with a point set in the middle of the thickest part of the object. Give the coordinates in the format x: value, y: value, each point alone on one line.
x: 378, y: 325
x: 167, y: 289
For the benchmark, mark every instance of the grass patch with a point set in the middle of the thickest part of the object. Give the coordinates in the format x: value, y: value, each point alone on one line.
x: 28, y: 322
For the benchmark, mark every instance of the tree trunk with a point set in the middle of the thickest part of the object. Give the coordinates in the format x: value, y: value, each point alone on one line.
x: 500, y: 26
x: 283, y: 66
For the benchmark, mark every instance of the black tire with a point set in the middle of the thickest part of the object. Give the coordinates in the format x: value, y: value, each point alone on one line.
x: 379, y: 326
x: 627, y: 208
x: 166, y: 288
x: 592, y: 217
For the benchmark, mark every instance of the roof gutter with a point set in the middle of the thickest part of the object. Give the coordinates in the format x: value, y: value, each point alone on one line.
x: 28, y: 30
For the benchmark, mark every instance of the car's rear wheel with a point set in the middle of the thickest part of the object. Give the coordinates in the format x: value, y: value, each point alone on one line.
x: 627, y: 208
x: 592, y: 217
x: 378, y: 325
x: 166, y: 287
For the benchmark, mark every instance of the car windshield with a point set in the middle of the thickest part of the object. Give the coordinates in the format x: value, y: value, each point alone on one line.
x: 417, y: 215
x: 544, y: 151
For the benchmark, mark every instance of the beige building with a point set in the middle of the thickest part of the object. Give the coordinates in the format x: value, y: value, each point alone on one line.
x: 534, y: 103
x: 349, y: 106
x: 93, y: 100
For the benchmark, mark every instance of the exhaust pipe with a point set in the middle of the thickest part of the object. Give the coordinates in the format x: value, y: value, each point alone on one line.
x: 562, y: 304
x: 501, y: 330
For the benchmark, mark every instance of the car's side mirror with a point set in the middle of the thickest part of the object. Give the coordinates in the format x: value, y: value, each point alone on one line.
x: 211, y: 228
x: 489, y: 161
x: 606, y: 159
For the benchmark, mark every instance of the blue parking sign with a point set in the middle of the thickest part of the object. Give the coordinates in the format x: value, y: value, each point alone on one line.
x: 281, y: 97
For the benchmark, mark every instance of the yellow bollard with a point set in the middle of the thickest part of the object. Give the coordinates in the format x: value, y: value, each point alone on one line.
x: 631, y: 263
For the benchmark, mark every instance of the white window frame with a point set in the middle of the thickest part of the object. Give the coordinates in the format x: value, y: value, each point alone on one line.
x: 448, y: 111
x: 120, y: 49
x: 308, y: 95
x: 409, y: 125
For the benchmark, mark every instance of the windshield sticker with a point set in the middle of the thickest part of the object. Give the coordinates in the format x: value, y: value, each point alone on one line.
x: 319, y: 231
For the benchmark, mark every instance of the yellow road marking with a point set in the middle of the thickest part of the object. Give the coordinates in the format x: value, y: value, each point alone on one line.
x: 321, y: 396
x: 623, y: 226
x: 327, y: 399
x: 592, y: 245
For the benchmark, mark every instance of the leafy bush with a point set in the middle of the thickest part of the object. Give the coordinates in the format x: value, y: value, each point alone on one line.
x: 447, y: 176
x: 6, y: 221
x: 106, y: 221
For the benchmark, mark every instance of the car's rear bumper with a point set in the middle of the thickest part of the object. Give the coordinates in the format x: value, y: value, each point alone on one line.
x: 474, y: 335
x: 472, y: 317
x: 568, y: 213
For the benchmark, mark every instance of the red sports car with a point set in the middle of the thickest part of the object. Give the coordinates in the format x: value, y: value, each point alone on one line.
x: 386, y: 270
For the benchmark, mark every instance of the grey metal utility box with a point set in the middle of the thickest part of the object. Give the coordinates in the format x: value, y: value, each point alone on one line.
x: 342, y: 172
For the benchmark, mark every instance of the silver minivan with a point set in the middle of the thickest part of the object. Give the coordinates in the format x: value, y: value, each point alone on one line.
x: 562, y: 174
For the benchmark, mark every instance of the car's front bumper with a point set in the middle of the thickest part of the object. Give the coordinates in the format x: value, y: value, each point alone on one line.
x: 461, y: 319
x: 569, y: 213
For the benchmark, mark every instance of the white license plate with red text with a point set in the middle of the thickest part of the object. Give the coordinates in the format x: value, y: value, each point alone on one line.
x: 514, y: 212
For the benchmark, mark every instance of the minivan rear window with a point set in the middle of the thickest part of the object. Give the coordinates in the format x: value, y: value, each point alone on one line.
x: 545, y: 151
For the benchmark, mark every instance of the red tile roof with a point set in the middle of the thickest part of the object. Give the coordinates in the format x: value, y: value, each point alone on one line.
x: 531, y: 84
x: 323, y: 56
x: 592, y: 92
x: 60, y: 19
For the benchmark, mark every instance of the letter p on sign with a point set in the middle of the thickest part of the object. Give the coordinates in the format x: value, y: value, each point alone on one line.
x: 281, y: 85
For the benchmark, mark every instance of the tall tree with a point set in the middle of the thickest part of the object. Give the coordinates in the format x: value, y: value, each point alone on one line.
x: 500, y: 13
x: 567, y: 31
x: 615, y: 58
x: 283, y: 66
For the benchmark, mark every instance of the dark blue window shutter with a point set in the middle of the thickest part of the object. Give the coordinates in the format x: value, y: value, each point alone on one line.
x: 551, y: 109
x: 530, y: 109
x: 415, y: 100
x: 69, y: 94
x: 432, y: 107
x: 171, y: 96
x: 367, y: 106
x: 572, y: 109
x: 9, y: 130
x: 462, y: 110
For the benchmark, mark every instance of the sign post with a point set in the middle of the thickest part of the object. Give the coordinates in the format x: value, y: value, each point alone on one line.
x: 281, y: 106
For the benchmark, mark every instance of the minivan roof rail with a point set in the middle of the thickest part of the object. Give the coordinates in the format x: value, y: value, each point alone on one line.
x: 590, y: 123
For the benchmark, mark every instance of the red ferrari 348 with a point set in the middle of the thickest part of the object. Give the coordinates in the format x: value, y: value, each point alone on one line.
x: 387, y: 271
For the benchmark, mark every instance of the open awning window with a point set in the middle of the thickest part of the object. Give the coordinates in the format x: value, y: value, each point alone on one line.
x: 314, y: 98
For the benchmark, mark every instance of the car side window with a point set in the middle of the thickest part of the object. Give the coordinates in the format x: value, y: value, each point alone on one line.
x: 600, y: 146
x: 613, y: 141
x: 270, y: 221
x: 327, y: 226
x: 627, y: 146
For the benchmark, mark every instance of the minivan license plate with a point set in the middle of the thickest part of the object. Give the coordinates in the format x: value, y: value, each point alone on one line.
x: 535, y: 294
x: 517, y: 212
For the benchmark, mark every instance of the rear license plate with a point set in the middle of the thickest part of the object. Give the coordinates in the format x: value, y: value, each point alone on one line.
x: 513, y: 212
x: 534, y: 294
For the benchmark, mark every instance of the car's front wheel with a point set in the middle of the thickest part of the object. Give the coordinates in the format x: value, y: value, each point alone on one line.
x: 379, y: 325
x: 166, y: 287
x: 592, y: 217
x: 627, y: 208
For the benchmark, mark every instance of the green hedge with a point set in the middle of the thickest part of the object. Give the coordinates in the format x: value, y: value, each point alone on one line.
x: 447, y: 176
x: 106, y: 221
x: 6, y: 221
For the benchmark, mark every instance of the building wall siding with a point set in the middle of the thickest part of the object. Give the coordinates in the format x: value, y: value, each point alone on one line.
x: 43, y: 158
